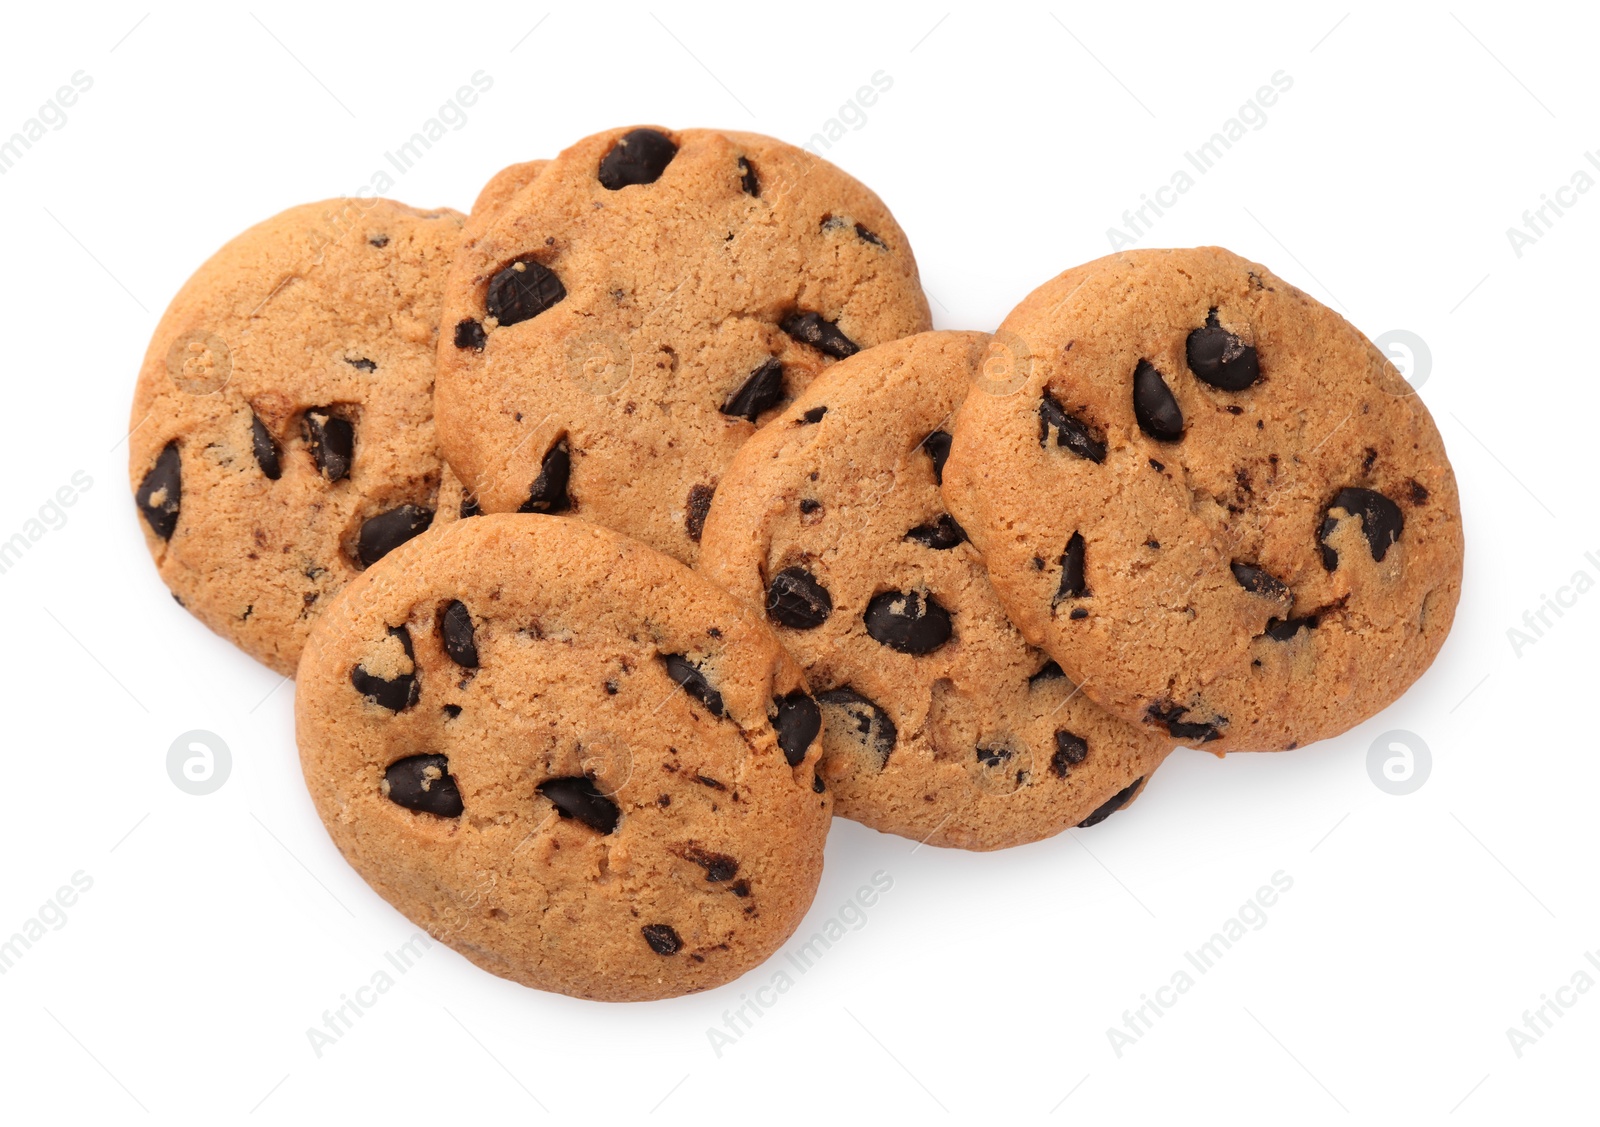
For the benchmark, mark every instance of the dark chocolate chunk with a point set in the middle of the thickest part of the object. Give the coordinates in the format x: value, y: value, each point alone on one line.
x: 696, y: 506
x: 1220, y: 358
x: 760, y: 392
x: 1382, y: 522
x: 451, y: 711
x: 940, y: 535
x: 1078, y: 613
x: 748, y: 180
x: 577, y: 796
x: 469, y: 507
x: 1283, y: 629
x: 470, y: 334
x: 937, y: 447
x: 460, y: 639
x: 817, y: 785
x: 161, y: 492
x: 1071, y: 750
x: 362, y: 364
x: 1049, y: 671
x: 852, y: 715
x: 795, y: 599
x: 640, y: 156
x: 1071, y: 431
x: 397, y: 694
x: 908, y: 622
x: 424, y: 783
x: 814, y: 415
x: 718, y: 866
x: 521, y: 290
x: 797, y: 722
x: 1259, y: 581
x: 332, y: 441
x: 1154, y: 404
x: 385, y: 532
x: 1170, y: 716
x: 693, y: 682
x: 993, y: 756
x: 1074, y: 585
x: 809, y: 505
x: 1111, y: 805
x: 1419, y: 492
x: 549, y: 491
x: 824, y: 336
x: 268, y: 456
x: 379, y: 241
x: 662, y: 939
x: 867, y: 236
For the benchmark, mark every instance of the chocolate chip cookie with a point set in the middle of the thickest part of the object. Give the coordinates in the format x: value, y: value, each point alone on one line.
x: 940, y: 723
x: 634, y: 311
x: 282, y: 427
x: 1211, y: 499
x: 578, y: 763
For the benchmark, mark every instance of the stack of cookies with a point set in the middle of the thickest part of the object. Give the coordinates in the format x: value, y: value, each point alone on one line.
x: 623, y: 532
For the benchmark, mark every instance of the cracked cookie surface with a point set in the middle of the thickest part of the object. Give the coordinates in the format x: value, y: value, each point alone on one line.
x: 567, y: 756
x: 282, y: 428
x: 1211, y: 499
x: 628, y: 317
x: 941, y: 723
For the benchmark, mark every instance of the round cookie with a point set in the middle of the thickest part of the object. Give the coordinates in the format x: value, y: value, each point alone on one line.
x: 567, y: 756
x: 1211, y: 499
x: 282, y: 427
x: 941, y: 723
x: 632, y: 313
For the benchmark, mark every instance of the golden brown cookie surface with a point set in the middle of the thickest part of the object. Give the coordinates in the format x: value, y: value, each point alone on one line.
x: 632, y: 312
x: 569, y: 757
x: 1211, y: 499
x: 282, y: 427
x: 940, y: 722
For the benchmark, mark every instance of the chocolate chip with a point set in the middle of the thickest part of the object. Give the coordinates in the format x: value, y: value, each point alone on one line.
x: 1111, y: 805
x: 1220, y: 358
x: 937, y: 447
x: 385, y: 532
x: 908, y: 622
x: 1078, y: 613
x: 397, y: 694
x: 1369, y: 460
x: 1154, y: 404
x: 1170, y: 716
x: 817, y: 785
x: 266, y: 450
x: 460, y: 639
x: 1071, y: 431
x: 1283, y: 629
x: 161, y: 491
x: 1419, y: 492
x: 1049, y: 671
x: 470, y: 334
x: 469, y: 507
x: 940, y: 535
x: 451, y: 711
x: 1157, y: 466
x: 379, y: 241
x: 867, y: 236
x: 1382, y: 522
x: 760, y: 392
x: 809, y: 505
x: 1258, y: 581
x: 696, y: 506
x: 993, y: 756
x: 662, y: 939
x: 1071, y: 750
x: 424, y: 783
x: 362, y: 365
x: 549, y: 491
x: 640, y: 156
x: 577, y: 796
x: 693, y: 682
x: 332, y: 441
x: 797, y: 722
x: 795, y: 599
x: 814, y: 415
x: 1073, y: 583
x: 849, y: 713
x: 718, y: 866
x: 748, y: 180
x: 824, y: 336
x: 522, y: 290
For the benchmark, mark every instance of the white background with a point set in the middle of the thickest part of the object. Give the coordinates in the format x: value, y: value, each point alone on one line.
x: 1418, y: 929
